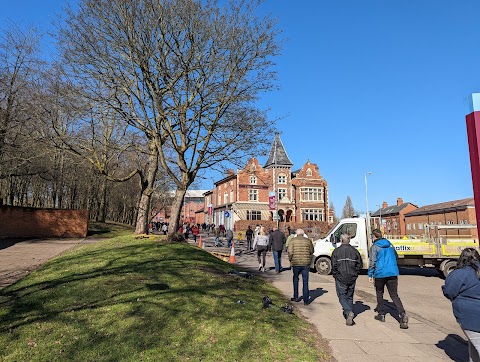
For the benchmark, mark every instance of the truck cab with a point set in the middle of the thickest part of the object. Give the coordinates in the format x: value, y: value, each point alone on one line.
x: 324, y: 247
x: 439, y: 251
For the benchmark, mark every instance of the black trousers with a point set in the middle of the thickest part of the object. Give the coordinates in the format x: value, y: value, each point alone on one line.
x: 392, y: 287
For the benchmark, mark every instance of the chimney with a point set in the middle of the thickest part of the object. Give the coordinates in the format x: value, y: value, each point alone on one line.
x: 230, y: 172
x: 384, y: 205
x: 399, y: 201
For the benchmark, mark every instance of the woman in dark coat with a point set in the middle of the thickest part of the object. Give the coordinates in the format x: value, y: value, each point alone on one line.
x: 462, y: 287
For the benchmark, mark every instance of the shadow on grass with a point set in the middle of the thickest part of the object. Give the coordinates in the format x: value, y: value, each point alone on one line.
x: 140, y: 297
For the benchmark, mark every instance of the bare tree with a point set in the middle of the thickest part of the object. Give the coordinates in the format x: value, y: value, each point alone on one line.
x: 185, y: 73
x: 332, y: 208
x: 19, y: 69
x: 348, y: 210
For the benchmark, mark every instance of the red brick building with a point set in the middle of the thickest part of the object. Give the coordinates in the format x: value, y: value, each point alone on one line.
x: 251, y: 192
x: 458, y: 212
x: 391, y: 219
x: 193, y: 202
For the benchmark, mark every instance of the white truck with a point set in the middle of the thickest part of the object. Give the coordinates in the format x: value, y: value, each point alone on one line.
x: 440, y: 251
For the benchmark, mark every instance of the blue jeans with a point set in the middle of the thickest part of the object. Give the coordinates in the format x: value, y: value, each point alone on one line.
x: 345, y: 296
x: 304, y: 270
x: 277, y: 259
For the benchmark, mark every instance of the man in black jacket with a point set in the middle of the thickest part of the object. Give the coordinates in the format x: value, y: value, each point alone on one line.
x: 346, y: 264
x: 277, y: 241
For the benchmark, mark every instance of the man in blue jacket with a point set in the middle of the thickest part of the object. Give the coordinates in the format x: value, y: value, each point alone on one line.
x: 383, y: 270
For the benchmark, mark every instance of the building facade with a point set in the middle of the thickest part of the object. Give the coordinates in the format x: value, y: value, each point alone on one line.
x: 391, y: 219
x: 192, y: 203
x: 272, y: 192
x: 423, y: 220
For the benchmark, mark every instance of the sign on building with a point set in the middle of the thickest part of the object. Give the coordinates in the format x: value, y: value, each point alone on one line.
x: 272, y: 201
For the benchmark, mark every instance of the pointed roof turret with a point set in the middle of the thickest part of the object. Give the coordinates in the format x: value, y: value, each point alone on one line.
x: 278, y: 155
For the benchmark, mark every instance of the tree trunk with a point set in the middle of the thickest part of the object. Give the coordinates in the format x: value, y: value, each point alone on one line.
x: 102, y: 202
x: 176, y: 210
x: 148, y: 183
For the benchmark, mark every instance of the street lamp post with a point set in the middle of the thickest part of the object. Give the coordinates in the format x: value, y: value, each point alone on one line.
x: 366, y: 199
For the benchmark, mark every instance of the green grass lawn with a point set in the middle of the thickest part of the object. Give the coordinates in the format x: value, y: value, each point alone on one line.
x: 125, y: 299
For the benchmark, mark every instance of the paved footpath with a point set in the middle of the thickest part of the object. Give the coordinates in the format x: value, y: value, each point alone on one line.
x: 369, y: 339
x: 18, y: 258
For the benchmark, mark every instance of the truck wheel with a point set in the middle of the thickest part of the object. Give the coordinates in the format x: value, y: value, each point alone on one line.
x: 449, y: 267
x: 323, y: 266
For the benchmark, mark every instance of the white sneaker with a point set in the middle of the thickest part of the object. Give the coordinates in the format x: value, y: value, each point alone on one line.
x: 259, y: 267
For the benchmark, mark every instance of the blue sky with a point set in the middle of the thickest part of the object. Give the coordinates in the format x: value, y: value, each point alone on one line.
x: 366, y: 86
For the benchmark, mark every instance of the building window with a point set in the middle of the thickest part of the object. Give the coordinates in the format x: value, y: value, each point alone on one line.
x: 254, y: 215
x: 413, y: 226
x: 253, y: 180
x: 311, y: 194
x: 409, y: 227
x: 309, y: 172
x: 253, y: 195
x: 231, y: 196
x: 313, y: 215
x: 449, y: 222
x: 219, y: 199
x: 282, y: 179
x: 420, y: 226
x: 282, y: 193
x: 225, y: 198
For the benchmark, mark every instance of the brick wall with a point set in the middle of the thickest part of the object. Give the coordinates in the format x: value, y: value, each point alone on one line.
x: 23, y: 222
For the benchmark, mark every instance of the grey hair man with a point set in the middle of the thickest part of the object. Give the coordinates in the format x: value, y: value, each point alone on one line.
x: 346, y: 265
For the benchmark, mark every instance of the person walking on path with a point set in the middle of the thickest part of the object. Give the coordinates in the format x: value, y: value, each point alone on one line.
x: 277, y: 240
x: 216, y: 240
x: 462, y: 287
x: 300, y: 251
x: 261, y: 243
x: 249, y: 235
x: 195, y: 232
x: 383, y: 271
x: 346, y: 265
x: 229, y: 237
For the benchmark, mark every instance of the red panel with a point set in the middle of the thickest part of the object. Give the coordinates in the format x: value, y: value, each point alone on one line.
x: 473, y: 132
